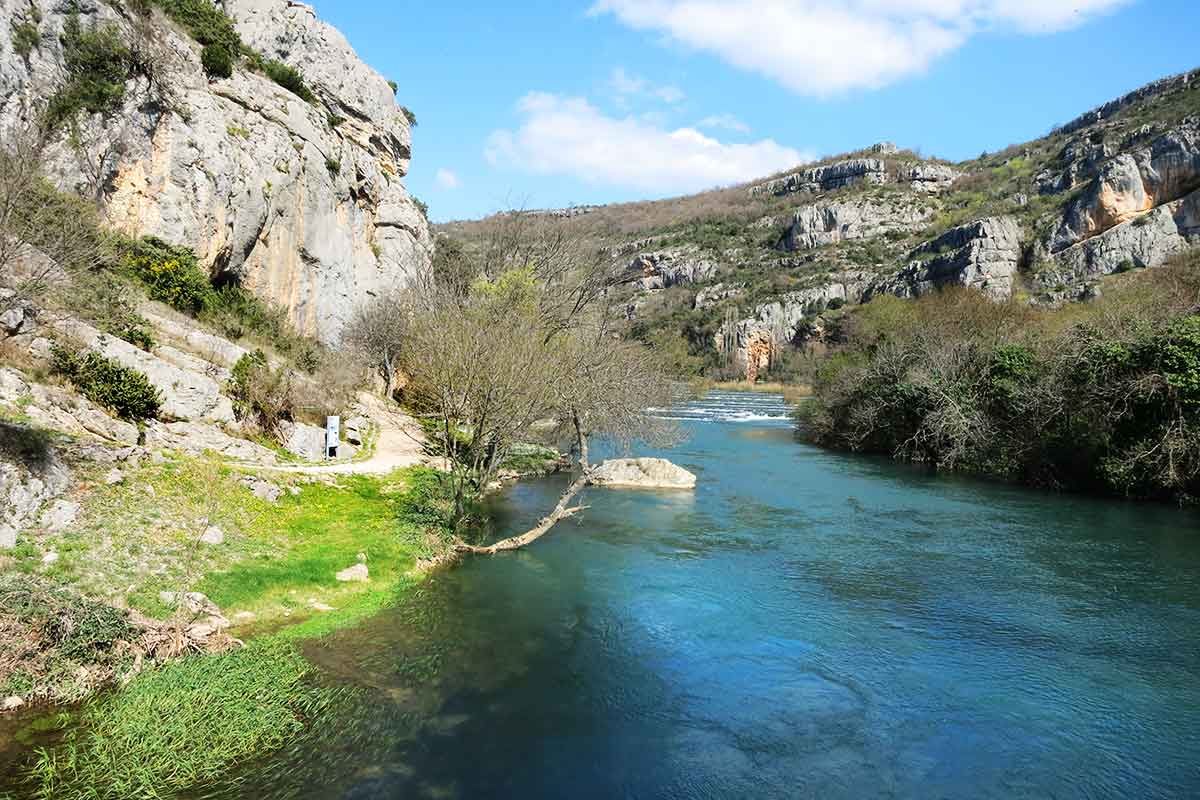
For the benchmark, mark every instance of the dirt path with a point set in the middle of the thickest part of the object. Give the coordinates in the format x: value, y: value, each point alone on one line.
x: 399, y: 443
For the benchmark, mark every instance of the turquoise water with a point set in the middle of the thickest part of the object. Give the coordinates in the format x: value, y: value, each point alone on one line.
x: 804, y: 624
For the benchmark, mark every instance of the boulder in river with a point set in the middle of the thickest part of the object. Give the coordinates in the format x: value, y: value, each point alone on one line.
x: 645, y: 473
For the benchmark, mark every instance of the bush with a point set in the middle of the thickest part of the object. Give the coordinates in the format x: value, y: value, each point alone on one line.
x: 217, y: 61
x: 124, y: 391
x: 171, y: 274
x: 97, y: 63
x: 1104, y: 397
x: 205, y: 23
x: 261, y: 396
x: 409, y: 115
x: 25, y: 37
x: 288, y: 77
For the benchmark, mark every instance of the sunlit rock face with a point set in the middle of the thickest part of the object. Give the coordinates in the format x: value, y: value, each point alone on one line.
x: 302, y: 203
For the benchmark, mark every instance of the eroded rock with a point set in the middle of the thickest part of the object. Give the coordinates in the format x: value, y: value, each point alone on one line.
x: 646, y: 473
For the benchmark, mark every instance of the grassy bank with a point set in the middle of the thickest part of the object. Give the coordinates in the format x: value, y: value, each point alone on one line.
x: 183, y: 724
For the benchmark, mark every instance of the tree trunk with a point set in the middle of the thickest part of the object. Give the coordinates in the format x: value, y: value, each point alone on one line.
x: 560, y: 512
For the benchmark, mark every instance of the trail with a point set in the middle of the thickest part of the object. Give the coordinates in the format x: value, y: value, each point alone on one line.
x: 399, y: 443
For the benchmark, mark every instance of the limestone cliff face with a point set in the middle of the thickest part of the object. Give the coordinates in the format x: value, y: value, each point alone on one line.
x: 302, y: 203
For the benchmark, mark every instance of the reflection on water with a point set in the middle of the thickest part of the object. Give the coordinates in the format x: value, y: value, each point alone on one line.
x: 802, y: 625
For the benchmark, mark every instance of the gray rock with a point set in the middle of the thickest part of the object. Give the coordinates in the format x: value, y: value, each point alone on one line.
x: 242, y: 173
x: 8, y: 537
x: 12, y: 321
x: 718, y: 292
x: 263, y: 490
x: 647, y: 473
x: 11, y: 703
x: 1133, y: 183
x: 114, y: 477
x: 356, y: 574
x: 1147, y: 241
x: 50, y: 558
x: 41, y: 348
x: 213, y: 535
x: 192, y: 437
x: 923, y: 176
x: 982, y: 255
x: 306, y: 441
x: 186, y: 395
x: 60, y: 516
x: 667, y: 268
x: 355, y: 430
x: 828, y: 223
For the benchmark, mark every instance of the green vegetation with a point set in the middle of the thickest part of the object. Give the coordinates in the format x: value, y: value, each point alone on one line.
x: 178, y: 726
x: 126, y: 392
x: 50, y: 632
x: 223, y: 48
x: 287, y: 77
x: 25, y: 37
x: 408, y: 114
x: 184, y: 724
x: 1101, y: 397
x: 171, y: 274
x: 217, y: 61
x: 97, y: 63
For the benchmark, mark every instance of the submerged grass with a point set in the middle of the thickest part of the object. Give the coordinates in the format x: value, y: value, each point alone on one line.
x: 183, y: 725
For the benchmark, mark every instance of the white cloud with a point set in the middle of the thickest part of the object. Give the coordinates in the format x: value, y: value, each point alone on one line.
x: 562, y: 135
x: 626, y: 85
x: 819, y: 48
x: 724, y: 121
x: 446, y: 179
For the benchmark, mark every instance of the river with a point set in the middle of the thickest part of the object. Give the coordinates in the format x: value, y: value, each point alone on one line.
x: 803, y: 624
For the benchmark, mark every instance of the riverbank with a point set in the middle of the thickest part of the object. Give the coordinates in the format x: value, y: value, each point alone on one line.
x: 273, y: 575
x: 791, y: 392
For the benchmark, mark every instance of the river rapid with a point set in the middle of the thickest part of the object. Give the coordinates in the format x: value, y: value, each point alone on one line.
x: 803, y: 624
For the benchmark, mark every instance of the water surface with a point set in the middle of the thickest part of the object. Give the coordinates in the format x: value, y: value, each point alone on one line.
x: 803, y: 624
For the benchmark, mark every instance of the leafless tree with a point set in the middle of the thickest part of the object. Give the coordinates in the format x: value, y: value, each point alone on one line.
x: 46, y: 236
x: 377, y: 332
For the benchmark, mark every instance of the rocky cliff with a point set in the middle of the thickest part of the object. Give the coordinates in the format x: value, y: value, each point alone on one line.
x: 762, y: 269
x: 300, y: 200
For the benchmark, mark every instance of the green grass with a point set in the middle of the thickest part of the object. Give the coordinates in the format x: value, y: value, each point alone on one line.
x: 184, y: 724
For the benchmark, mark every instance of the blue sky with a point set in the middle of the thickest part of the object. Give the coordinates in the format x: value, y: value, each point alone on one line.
x: 551, y: 103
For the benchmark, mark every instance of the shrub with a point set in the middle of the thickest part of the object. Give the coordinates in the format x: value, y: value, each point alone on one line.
x: 288, y: 77
x: 25, y: 37
x: 217, y: 61
x: 205, y: 23
x: 124, y: 391
x: 97, y: 63
x: 171, y: 274
x: 409, y: 115
x: 334, y: 166
x: 261, y: 396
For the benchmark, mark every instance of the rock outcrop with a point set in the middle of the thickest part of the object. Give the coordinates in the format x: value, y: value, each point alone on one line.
x: 1133, y: 183
x: 644, y: 473
x: 187, y: 395
x: 303, y: 203
x: 982, y: 255
x: 875, y: 170
x: 861, y: 218
x: 1147, y: 241
x: 667, y: 268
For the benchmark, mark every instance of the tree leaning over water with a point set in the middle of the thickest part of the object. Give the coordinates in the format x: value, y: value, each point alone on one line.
x: 525, y: 349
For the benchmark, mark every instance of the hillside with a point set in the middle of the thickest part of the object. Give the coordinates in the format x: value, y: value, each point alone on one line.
x: 256, y: 137
x: 745, y: 280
